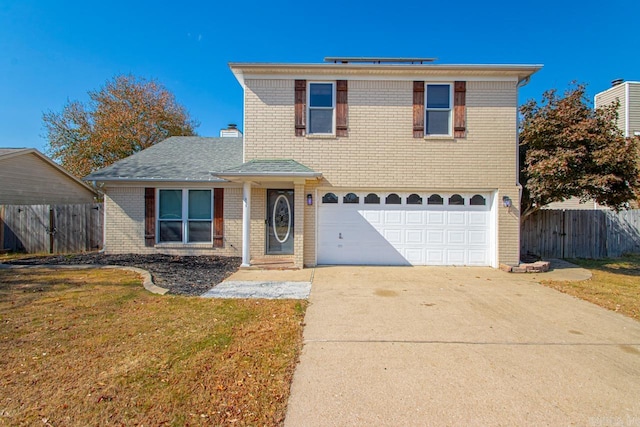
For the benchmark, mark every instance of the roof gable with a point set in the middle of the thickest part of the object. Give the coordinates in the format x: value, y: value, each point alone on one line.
x: 8, y: 153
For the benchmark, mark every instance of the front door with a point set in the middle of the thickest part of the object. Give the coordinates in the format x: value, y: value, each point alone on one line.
x: 280, y: 222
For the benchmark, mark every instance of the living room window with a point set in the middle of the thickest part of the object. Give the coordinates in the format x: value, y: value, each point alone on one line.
x: 185, y: 216
x: 438, y: 109
x: 321, y: 110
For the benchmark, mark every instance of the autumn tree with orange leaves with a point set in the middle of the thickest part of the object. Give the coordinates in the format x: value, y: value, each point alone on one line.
x: 568, y: 149
x: 125, y: 116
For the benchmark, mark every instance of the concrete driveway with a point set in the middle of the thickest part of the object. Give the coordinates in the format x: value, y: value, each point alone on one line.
x: 460, y: 346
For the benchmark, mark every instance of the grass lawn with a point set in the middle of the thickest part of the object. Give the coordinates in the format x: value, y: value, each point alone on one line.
x: 8, y: 256
x: 92, y: 347
x: 615, y: 284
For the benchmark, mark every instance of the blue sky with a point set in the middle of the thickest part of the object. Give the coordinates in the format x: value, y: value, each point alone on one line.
x: 51, y: 51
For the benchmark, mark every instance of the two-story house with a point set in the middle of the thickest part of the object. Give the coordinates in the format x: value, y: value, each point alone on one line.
x: 628, y: 94
x: 351, y: 161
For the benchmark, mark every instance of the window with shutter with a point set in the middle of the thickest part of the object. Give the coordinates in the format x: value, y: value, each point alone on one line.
x: 418, y: 109
x: 185, y: 216
x: 460, y: 113
x: 149, y: 216
x: 439, y: 109
x: 300, y: 107
x: 218, y: 217
x: 321, y: 108
x: 342, y: 112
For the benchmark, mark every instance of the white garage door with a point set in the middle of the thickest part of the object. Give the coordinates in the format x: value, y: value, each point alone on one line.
x: 376, y: 228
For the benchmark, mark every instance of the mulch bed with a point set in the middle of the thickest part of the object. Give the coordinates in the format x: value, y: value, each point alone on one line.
x: 182, y: 275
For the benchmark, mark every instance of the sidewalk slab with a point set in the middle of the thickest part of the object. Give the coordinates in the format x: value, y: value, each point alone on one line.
x: 258, y: 289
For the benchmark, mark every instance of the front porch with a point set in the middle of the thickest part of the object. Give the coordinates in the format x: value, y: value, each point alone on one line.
x: 273, y: 212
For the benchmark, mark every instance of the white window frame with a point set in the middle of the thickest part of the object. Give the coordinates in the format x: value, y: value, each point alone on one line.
x: 332, y: 108
x: 450, y: 109
x: 185, y: 217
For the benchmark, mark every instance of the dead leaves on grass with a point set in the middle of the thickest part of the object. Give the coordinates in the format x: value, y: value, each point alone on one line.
x: 92, y: 350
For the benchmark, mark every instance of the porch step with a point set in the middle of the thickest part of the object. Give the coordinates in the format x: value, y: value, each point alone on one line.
x: 271, y: 264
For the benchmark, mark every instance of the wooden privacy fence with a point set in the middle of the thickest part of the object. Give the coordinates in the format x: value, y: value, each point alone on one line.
x: 555, y: 233
x: 51, y: 228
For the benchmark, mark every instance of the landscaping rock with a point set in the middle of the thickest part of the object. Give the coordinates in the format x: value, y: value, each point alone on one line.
x: 182, y: 275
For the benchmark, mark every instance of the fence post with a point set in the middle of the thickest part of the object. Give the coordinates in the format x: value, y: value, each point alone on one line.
x: 52, y: 228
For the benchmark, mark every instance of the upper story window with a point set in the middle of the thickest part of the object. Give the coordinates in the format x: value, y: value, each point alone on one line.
x: 438, y: 109
x: 185, y: 216
x: 321, y: 108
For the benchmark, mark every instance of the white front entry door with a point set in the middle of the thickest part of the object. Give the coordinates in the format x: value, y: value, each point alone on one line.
x: 385, y: 228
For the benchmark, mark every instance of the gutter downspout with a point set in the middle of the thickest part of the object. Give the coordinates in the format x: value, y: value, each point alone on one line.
x: 104, y: 219
x: 626, y: 110
x: 521, y: 83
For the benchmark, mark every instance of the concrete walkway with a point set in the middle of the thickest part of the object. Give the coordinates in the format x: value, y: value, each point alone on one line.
x: 461, y: 346
x: 269, y: 284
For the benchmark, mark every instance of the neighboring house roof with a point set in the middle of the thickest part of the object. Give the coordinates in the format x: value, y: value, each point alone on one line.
x: 179, y: 158
x: 274, y: 167
x: 8, y: 153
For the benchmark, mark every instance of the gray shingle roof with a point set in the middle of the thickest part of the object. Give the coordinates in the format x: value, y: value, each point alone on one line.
x: 287, y: 167
x: 179, y: 158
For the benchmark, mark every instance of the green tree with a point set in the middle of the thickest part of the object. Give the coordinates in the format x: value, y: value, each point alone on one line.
x: 126, y: 115
x: 568, y: 149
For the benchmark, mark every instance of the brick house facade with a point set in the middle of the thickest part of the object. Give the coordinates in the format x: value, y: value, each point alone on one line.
x: 361, y: 163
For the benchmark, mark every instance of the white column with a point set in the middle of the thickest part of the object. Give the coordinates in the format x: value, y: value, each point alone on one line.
x: 246, y: 224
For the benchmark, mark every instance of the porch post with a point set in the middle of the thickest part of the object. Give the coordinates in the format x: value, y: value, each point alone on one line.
x: 246, y: 224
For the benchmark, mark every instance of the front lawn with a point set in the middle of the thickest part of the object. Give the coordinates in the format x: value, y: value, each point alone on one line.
x: 92, y: 347
x: 615, y: 284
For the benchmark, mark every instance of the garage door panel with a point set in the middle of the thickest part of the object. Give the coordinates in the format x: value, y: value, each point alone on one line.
x: 456, y: 237
x: 435, y: 237
x: 456, y: 218
x: 374, y: 217
x: 478, y: 237
x: 479, y: 219
x: 403, y: 234
x: 477, y: 257
x: 435, y: 218
x: 393, y: 236
x: 393, y: 217
x: 415, y: 256
x: 455, y: 257
x: 435, y: 257
x: 415, y: 218
x: 414, y: 237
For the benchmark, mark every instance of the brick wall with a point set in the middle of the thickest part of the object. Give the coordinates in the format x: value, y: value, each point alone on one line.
x: 124, y: 227
x: 380, y: 151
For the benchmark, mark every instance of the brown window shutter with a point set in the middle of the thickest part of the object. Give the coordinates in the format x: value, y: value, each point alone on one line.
x: 418, y: 109
x: 149, y: 216
x: 342, y: 109
x: 218, y: 217
x: 301, y: 107
x: 459, y: 110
